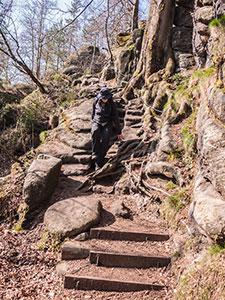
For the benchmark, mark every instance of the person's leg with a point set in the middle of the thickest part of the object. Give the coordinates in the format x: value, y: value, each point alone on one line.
x: 95, y: 140
x: 106, y: 133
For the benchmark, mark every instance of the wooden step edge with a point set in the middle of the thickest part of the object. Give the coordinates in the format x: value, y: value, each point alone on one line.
x: 100, y: 284
x: 74, y: 250
x: 111, y: 234
x: 125, y: 260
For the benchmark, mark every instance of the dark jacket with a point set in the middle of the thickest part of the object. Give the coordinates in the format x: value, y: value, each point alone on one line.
x: 105, y: 113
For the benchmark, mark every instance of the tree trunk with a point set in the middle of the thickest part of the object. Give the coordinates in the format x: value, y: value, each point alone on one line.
x: 106, y: 33
x: 135, y: 15
x: 156, y: 50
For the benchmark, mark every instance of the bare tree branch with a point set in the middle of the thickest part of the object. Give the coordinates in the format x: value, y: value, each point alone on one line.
x: 19, y: 62
x: 72, y: 21
x: 10, y: 154
x: 106, y: 32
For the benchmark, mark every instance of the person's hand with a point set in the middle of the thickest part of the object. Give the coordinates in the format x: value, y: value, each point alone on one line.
x: 120, y: 137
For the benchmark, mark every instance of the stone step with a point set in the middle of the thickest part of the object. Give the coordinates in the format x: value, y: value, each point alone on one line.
x: 74, y: 169
x: 111, y: 234
x: 139, y: 125
x: 81, y: 159
x: 125, y: 260
x: 134, y: 112
x: 132, y: 118
x: 72, y: 281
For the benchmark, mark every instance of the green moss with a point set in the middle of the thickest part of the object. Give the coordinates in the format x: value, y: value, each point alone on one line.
x: 43, y: 136
x: 216, y: 249
x: 171, y: 185
x: 204, y: 73
x: 50, y: 241
x: 176, y: 154
x: 131, y: 47
x: 59, y: 77
x: 123, y: 38
x: 189, y: 135
x: 218, y: 22
x: 177, y: 200
x: 22, y: 211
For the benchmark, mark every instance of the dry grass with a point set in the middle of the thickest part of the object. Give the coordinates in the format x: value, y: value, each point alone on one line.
x: 205, y: 278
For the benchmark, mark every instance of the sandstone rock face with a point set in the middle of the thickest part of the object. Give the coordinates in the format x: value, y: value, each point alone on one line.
x: 127, y: 54
x: 182, y: 39
x: 186, y: 61
x: 72, y: 216
x: 219, y: 8
x: 204, y: 14
x: 217, y: 102
x: 211, y: 151
x: 108, y: 72
x: 41, y: 181
x: 182, y: 34
x: 208, y: 209
x: 183, y: 17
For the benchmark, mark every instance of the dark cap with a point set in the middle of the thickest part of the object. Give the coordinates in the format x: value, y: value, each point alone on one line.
x: 104, y: 94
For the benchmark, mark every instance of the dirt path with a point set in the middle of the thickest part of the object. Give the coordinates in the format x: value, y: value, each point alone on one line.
x: 142, y: 219
x: 28, y: 267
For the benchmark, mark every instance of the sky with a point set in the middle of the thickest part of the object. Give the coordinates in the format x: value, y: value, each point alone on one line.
x: 64, y: 4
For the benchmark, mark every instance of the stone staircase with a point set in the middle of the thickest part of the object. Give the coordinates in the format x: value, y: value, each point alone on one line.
x: 119, y: 258
x: 71, y: 140
x: 115, y: 260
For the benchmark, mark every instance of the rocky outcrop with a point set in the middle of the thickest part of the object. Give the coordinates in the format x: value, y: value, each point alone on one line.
x: 127, y: 54
x: 204, y: 13
x: 182, y: 35
x: 72, y: 216
x: 85, y: 61
x: 207, y: 211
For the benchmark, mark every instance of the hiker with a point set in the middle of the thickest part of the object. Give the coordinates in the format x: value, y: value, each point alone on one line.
x: 104, y: 120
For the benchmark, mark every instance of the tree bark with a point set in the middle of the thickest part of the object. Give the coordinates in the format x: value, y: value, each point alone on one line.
x: 106, y: 33
x: 135, y: 15
x: 156, y: 50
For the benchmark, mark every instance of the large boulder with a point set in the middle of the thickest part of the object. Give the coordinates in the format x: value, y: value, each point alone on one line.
x: 72, y: 216
x: 86, y: 60
x: 40, y: 182
x: 208, y: 209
